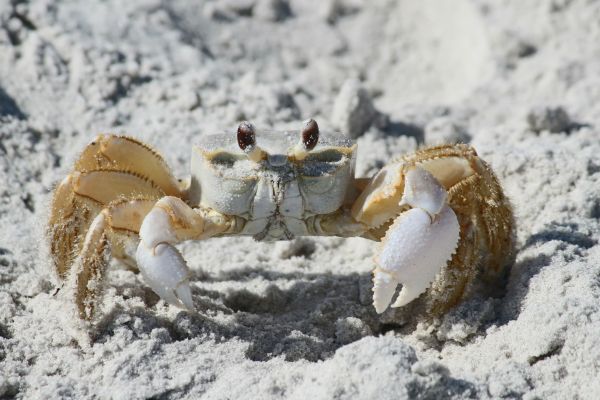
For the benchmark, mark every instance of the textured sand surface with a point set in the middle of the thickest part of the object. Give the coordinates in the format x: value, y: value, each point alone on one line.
x: 520, y: 80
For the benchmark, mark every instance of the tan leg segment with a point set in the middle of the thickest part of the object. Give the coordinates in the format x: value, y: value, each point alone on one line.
x: 450, y: 287
x: 69, y: 219
x: 496, y: 223
x: 106, y: 186
x: 125, y: 219
x: 114, y: 224
x: 486, y: 242
x: 111, y: 152
x: 480, y: 198
x: 78, y: 198
x: 88, y: 273
x: 63, y: 227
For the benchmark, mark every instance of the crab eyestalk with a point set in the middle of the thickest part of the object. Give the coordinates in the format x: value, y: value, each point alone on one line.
x: 309, y: 137
x: 246, y: 138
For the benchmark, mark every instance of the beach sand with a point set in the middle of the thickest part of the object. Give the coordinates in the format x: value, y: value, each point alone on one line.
x: 519, y: 80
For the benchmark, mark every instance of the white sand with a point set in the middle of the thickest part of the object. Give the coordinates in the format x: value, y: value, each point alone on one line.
x: 295, y: 320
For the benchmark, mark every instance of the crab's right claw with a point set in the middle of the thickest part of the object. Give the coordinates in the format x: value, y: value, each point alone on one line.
x: 166, y: 272
x: 417, y: 245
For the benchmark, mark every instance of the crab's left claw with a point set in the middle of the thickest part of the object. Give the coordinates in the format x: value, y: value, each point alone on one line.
x: 160, y: 263
x: 418, y: 244
x: 166, y: 272
x: 172, y: 221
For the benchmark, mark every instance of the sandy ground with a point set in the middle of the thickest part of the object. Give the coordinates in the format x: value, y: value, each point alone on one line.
x: 520, y: 80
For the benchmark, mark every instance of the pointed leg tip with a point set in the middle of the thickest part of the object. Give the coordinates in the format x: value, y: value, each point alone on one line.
x: 184, y: 294
x: 168, y: 295
x: 410, y: 293
x: 384, y: 287
x: 379, y: 309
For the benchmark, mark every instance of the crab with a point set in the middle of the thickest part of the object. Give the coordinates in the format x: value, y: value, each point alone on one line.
x: 439, y: 215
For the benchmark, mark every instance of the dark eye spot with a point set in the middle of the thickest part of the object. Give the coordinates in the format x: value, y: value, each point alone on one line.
x: 246, y: 135
x: 326, y: 156
x: 310, y: 134
x: 223, y: 159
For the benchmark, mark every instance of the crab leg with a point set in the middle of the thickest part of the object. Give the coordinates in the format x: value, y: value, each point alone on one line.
x: 110, y: 167
x: 87, y: 274
x: 172, y: 221
x: 418, y: 244
x: 67, y: 221
x: 78, y: 198
x: 122, y: 153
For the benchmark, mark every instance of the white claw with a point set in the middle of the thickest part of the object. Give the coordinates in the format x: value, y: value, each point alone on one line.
x: 156, y: 228
x: 418, y: 244
x: 422, y: 190
x: 414, y: 251
x: 384, y: 287
x: 184, y: 294
x: 166, y: 272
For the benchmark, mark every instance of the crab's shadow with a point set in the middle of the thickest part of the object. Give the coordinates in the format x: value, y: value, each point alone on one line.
x: 291, y: 312
x: 533, y: 262
x: 298, y: 316
x: 309, y: 318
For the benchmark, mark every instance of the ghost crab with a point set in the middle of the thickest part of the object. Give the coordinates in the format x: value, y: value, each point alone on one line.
x: 439, y: 214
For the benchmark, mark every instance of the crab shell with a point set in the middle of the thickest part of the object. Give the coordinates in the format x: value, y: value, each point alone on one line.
x: 278, y: 192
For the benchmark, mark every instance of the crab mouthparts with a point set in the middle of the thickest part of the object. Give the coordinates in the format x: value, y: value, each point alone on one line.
x: 277, y: 160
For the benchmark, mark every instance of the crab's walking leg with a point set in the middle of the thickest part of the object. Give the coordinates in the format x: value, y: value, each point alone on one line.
x: 486, y: 238
x: 418, y: 244
x: 122, y: 153
x: 78, y: 198
x: 110, y: 167
x: 172, y: 221
x: 67, y: 222
x: 112, y: 225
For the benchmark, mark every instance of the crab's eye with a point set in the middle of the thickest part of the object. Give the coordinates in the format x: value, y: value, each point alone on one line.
x: 310, y: 134
x: 246, y: 135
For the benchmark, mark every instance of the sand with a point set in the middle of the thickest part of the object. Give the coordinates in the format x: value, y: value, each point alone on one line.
x: 519, y: 80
